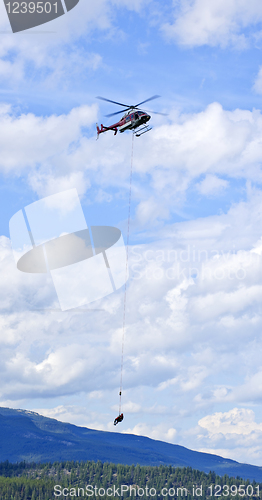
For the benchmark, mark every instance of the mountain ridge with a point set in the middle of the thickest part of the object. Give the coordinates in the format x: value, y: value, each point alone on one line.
x: 26, y: 435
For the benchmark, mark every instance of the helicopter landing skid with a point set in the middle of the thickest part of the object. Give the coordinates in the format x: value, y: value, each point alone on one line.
x: 142, y: 130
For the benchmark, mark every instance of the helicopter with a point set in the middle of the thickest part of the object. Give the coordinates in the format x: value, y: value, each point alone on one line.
x: 134, y: 118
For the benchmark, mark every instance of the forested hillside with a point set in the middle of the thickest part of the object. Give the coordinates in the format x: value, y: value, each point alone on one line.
x: 104, y: 481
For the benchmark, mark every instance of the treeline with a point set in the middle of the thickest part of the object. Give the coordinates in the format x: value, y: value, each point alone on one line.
x: 104, y: 481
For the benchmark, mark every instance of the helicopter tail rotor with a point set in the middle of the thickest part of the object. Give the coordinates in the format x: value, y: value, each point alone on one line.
x: 98, y: 131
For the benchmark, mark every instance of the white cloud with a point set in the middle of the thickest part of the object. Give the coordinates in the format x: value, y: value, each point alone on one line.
x: 214, y: 143
x: 149, y: 210
x: 232, y: 434
x: 250, y: 390
x: 77, y: 415
x: 236, y: 421
x: 191, y: 314
x: 223, y: 22
x: 258, y: 82
x: 182, y: 336
x: 159, y: 432
x: 135, y: 5
x: 130, y: 407
x: 56, y: 57
x: 212, y: 185
x: 46, y: 185
x: 43, y: 146
x: 193, y: 318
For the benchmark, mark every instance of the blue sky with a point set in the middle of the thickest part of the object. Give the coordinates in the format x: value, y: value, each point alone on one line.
x: 192, y: 372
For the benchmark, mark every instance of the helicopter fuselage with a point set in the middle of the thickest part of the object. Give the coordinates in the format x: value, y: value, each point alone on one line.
x: 133, y: 120
x: 130, y: 121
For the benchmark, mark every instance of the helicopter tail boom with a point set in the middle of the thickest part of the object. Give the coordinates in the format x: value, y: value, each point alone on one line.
x: 104, y: 129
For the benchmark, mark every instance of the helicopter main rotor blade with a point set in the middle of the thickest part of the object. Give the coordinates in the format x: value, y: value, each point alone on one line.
x: 147, y: 100
x: 117, y: 112
x: 135, y: 109
x: 114, y: 102
x: 155, y: 112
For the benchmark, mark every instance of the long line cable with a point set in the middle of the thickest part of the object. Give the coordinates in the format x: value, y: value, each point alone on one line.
x: 127, y: 249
